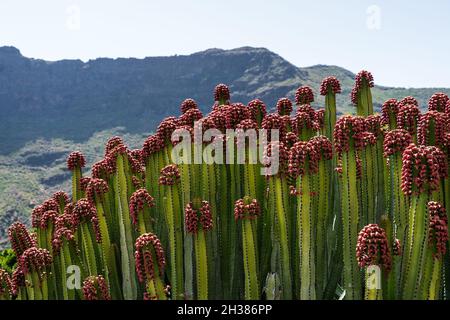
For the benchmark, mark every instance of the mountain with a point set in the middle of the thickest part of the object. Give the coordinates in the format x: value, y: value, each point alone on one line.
x: 71, y: 99
x: 48, y: 109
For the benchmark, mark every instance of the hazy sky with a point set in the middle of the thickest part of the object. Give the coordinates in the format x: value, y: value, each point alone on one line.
x: 403, y: 43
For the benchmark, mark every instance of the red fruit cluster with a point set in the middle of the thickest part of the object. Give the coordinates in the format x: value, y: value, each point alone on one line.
x: 113, y: 143
x: 304, y: 95
x: 247, y: 124
x: 188, y: 104
x: 194, y: 218
x: 271, y: 150
x: 408, y: 101
x: 75, y: 160
x: 256, y: 107
x: 246, y: 209
x: 373, y: 248
x: 148, y: 245
x: 6, y: 285
x: 84, y: 182
x: 364, y: 139
x: 95, y: 189
x: 330, y: 84
x: 396, y: 141
x: 137, y: 156
x: 431, y: 124
x: 323, y: 146
x: 152, y: 144
x: 389, y: 108
x: 362, y: 78
x: 170, y: 175
x: 284, y: 106
x: 320, y: 118
x: 62, y: 233
x: 103, y: 168
x: 221, y: 93
x: 290, y: 139
x: 304, y: 121
x: 95, y: 288
x: 139, y: 199
x: 273, y: 121
x: 438, y: 102
x: 346, y: 128
x: 373, y: 125
x: 61, y: 197
x: 34, y: 259
x: 438, y: 232
x: 407, y: 117
x: 179, y: 134
x: 422, y: 168
x: 166, y: 128
x: 190, y: 117
x: 48, y: 219
x: 84, y: 211
x: 303, y: 159
x: 20, y: 238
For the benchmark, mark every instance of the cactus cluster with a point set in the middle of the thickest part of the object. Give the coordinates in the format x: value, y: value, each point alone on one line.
x: 357, y: 207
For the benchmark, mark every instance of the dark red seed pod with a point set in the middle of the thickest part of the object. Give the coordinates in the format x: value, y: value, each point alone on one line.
x: 188, y: 104
x: 103, y: 168
x: 137, y: 154
x: 166, y: 128
x: 190, y: 117
x: 140, y: 199
x: 147, y: 246
x: 303, y: 159
x: 75, y: 160
x: 60, y: 235
x: 432, y: 124
x: 284, y: 106
x: 198, y: 217
x: 388, y: 110
x: 345, y: 129
x: 256, y: 109
x: 323, y: 146
x: 396, y: 141
x: 438, y: 102
x: 290, y: 139
x: 373, y: 125
x: 85, y: 212
x: 152, y: 145
x: 304, y: 121
x: 422, y: 169
x: 61, y: 197
x: 48, y: 218
x: 407, y: 118
x: 330, y: 85
x: 113, y: 143
x: 34, y: 259
x: 364, y: 139
x: 170, y: 175
x: 95, y: 189
x: 273, y: 121
x: 246, y: 208
x: 6, y: 285
x: 362, y: 78
x: 272, y: 150
x: 95, y: 288
x: 20, y: 238
x: 408, y: 101
x: 372, y: 248
x: 438, y: 232
x: 221, y: 93
x: 304, y: 95
x: 84, y: 182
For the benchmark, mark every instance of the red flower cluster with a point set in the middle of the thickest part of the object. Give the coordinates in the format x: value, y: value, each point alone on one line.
x: 20, y: 238
x: 170, y: 175
x: 346, y: 128
x: 323, y: 146
x: 246, y: 208
x: 193, y: 217
x: 113, y: 143
x: 188, y: 104
x: 34, y: 259
x: 273, y: 148
x: 408, y: 101
x: 438, y: 102
x: 166, y: 128
x: 431, y: 124
x: 364, y: 139
x: 61, y: 198
x: 49, y: 217
x: 102, y: 169
x: 6, y: 285
x: 96, y: 188
x: 148, y: 245
x: 304, y: 95
x: 422, y: 168
x: 290, y: 139
x: 95, y: 288
x: 389, y: 108
x: 152, y: 144
x: 373, y: 125
x: 284, y: 106
x: 373, y: 248
x: 75, y: 160
x: 362, y: 78
x: 407, y: 117
x: 273, y: 121
x: 304, y: 119
x: 84, y: 211
x: 396, y: 141
x: 256, y: 107
x: 139, y: 199
x: 62, y: 233
x: 320, y: 118
x: 303, y: 159
x: 330, y: 84
x: 190, y: 117
x: 221, y: 93
x: 438, y: 233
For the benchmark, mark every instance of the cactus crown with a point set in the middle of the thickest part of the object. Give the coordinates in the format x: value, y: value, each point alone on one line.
x: 438, y: 102
x: 407, y: 117
x: 303, y: 158
x: 148, y: 248
x: 20, y: 238
x: 190, y: 117
x: 75, y: 160
x: 166, y: 128
x: 6, y: 284
x: 408, y: 101
x: 273, y: 148
x: 139, y: 199
x: 330, y: 85
x: 373, y: 248
x: 170, y: 175
x: 84, y: 211
x: 246, y: 208
x: 34, y: 259
x: 95, y: 288
x: 438, y: 234
x: 96, y: 188
x: 198, y: 215
x: 188, y: 104
x: 304, y: 95
x: 396, y: 141
x: 256, y: 107
x: 388, y: 110
x: 345, y: 130
x: 152, y: 144
x: 363, y: 78
x: 221, y: 93
x: 432, y: 125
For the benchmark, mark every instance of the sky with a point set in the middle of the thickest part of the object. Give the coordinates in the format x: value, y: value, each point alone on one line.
x: 403, y: 43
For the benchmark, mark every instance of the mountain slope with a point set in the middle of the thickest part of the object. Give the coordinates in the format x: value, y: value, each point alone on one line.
x: 70, y: 99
